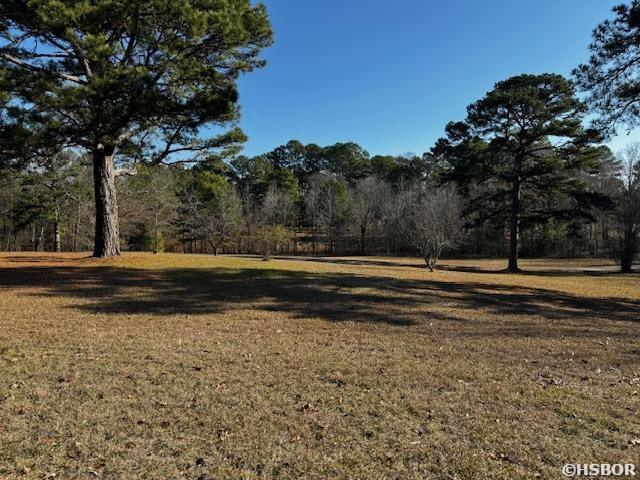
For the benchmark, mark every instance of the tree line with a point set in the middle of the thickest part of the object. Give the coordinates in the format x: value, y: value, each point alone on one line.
x: 108, y: 103
x: 295, y: 199
x: 292, y: 200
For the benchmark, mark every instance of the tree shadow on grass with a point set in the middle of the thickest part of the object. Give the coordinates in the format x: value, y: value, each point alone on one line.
x: 333, y: 297
x: 354, y: 261
x: 560, y: 271
x: 43, y: 258
x: 591, y: 271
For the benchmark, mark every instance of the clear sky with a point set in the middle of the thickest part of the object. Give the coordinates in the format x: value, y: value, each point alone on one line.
x: 390, y: 74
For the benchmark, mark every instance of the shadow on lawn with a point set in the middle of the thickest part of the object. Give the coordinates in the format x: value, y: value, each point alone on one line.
x: 46, y: 258
x: 592, y: 270
x: 334, y: 297
x: 539, y: 272
x: 364, y: 262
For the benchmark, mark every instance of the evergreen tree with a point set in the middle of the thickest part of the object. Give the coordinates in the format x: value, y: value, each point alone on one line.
x: 611, y: 76
x: 138, y: 78
x: 521, y: 153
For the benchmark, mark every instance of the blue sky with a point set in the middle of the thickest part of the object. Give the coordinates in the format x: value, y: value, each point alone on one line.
x: 390, y: 74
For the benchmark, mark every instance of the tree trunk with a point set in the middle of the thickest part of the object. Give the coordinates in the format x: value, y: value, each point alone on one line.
x: 56, y: 234
x: 629, y: 249
x: 313, y: 241
x: 76, y: 230
x: 363, y: 236
x: 429, y: 263
x: 40, y: 241
x: 514, y: 227
x: 107, y: 236
x: 155, y: 233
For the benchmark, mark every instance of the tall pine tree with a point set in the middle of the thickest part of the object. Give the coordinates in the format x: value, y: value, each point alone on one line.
x: 521, y: 153
x: 143, y: 79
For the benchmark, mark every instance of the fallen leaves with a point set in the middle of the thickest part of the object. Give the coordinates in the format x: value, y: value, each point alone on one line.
x: 307, y: 408
x: 224, y: 434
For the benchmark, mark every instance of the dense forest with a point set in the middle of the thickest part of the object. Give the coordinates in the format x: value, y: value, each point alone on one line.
x: 142, y: 123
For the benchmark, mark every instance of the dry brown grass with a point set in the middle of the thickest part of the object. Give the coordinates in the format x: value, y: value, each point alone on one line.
x: 197, y: 367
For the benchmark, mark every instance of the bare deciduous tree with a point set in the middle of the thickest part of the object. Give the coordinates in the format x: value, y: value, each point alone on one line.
x: 312, y: 206
x: 278, y: 208
x: 331, y: 206
x: 148, y: 204
x: 398, y: 212
x: 435, y: 224
x: 368, y: 200
x: 216, y: 221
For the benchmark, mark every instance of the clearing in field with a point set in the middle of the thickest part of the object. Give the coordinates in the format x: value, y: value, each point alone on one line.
x: 174, y: 366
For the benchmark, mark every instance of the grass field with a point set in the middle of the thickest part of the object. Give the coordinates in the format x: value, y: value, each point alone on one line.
x: 179, y: 366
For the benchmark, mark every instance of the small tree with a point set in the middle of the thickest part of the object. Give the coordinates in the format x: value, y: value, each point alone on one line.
x: 435, y: 224
x: 210, y: 209
x: 269, y: 239
x: 151, y: 195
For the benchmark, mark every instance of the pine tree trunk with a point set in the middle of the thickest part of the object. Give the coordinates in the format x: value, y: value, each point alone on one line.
x: 107, y: 236
x: 40, y: 242
x: 514, y: 230
x: 56, y: 234
x: 76, y: 231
